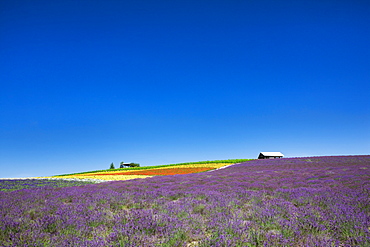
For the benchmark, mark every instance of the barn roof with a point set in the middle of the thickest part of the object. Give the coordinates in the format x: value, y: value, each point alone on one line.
x: 272, y: 154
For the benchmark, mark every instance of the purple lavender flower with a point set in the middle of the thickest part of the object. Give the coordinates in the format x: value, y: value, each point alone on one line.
x: 315, y: 201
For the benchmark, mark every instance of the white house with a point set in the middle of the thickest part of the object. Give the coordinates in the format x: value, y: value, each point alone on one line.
x: 270, y: 155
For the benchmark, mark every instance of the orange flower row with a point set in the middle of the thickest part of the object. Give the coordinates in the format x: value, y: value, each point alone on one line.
x: 161, y: 172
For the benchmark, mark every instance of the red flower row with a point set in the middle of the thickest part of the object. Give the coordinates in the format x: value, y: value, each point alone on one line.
x: 161, y: 172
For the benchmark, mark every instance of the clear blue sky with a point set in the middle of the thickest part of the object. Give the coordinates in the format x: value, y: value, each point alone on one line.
x: 87, y: 83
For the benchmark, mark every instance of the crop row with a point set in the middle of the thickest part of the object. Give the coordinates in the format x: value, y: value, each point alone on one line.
x: 162, y: 172
x: 18, y: 184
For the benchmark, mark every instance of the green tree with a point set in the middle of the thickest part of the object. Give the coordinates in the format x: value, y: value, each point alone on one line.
x: 134, y: 165
x: 112, y: 166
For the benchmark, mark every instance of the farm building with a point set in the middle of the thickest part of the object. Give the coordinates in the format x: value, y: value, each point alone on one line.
x: 123, y: 165
x: 270, y: 155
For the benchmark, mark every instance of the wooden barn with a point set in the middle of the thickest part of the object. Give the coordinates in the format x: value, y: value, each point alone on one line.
x: 270, y: 155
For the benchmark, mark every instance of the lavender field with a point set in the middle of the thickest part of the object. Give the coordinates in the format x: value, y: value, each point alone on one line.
x: 17, y: 184
x: 315, y: 201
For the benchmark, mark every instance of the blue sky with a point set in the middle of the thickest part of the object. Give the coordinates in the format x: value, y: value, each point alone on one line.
x: 87, y: 83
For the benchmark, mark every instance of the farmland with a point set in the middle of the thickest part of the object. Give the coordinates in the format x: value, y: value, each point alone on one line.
x: 149, y: 171
x: 313, y: 201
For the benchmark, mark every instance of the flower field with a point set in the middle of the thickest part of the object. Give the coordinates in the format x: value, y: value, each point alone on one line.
x: 127, y: 174
x: 18, y: 184
x: 314, y: 201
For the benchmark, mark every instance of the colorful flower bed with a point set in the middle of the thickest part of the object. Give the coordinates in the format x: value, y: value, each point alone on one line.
x: 127, y: 174
x: 320, y: 201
